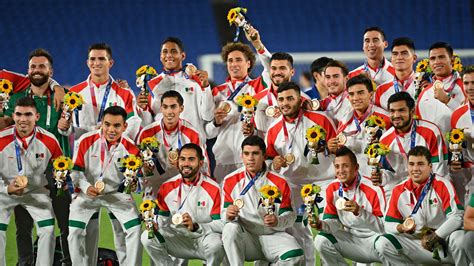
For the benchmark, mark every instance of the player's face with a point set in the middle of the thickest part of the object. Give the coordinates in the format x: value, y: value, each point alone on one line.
x: 171, y: 56
x: 359, y: 97
x: 113, y: 127
x: 468, y: 80
x: 440, y: 62
x: 419, y: 169
x: 99, y: 63
x: 403, y: 58
x: 374, y: 44
x: 289, y: 102
x: 25, y: 118
x: 400, y: 114
x: 237, y: 65
x: 335, y: 80
x: 346, y: 171
x: 171, y: 109
x: 280, y: 71
x: 39, y: 70
x: 189, y: 164
x: 253, y: 158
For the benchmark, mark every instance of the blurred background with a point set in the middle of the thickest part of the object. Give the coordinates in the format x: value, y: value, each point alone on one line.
x: 306, y: 29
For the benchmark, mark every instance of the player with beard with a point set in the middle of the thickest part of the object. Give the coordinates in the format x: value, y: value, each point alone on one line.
x: 189, y: 223
x: 40, y: 71
x: 406, y: 133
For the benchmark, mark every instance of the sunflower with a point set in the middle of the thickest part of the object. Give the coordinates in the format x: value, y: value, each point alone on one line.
x: 247, y: 101
x: 315, y: 133
x: 382, y: 149
x: 150, y: 142
x: 375, y: 120
x: 146, y: 69
x: 371, y: 151
x: 6, y: 86
x: 234, y: 13
x: 131, y: 162
x: 270, y: 192
x: 423, y: 66
x: 62, y: 163
x: 306, y: 190
x: 456, y: 136
x: 147, y: 205
x: 457, y: 64
x: 73, y: 100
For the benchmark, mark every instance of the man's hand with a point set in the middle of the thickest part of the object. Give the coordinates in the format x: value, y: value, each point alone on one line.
x: 352, y: 206
x: 247, y: 129
x: 333, y: 145
x: 59, y: 93
x: 232, y: 212
x: 92, y: 192
x: 142, y: 100
x: 64, y: 124
x: 314, y: 222
x: 147, y: 169
x: 15, y: 189
x: 440, y: 94
x: 279, y: 162
x: 219, y: 116
x: 188, y: 222
x: 307, y: 105
x: 270, y: 220
x: 253, y: 36
x: 456, y: 166
x: 376, y: 177
x: 203, y: 77
x: 430, y: 240
x: 123, y: 83
x: 403, y: 229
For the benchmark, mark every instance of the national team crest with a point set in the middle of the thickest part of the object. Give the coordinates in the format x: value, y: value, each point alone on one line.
x: 202, y: 203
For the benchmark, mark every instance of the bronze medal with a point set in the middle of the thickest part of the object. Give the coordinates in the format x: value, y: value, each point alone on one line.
x: 270, y: 111
x: 177, y: 218
x: 173, y: 155
x: 100, y: 186
x: 239, y: 203
x: 290, y: 158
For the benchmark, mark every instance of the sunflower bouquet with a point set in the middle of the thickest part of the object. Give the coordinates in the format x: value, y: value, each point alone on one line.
x: 144, y: 74
x: 72, y: 101
x: 62, y: 167
x: 269, y: 196
x: 374, y: 127
x: 130, y: 166
x: 149, y: 210
x: 316, y: 137
x: 248, y: 103
x: 456, y: 141
x: 376, y: 152
x: 148, y: 147
x: 311, y: 198
x: 6, y: 88
x: 236, y: 16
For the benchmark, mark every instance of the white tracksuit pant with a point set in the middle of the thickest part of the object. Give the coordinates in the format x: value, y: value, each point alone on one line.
x: 84, y: 207
x: 38, y: 204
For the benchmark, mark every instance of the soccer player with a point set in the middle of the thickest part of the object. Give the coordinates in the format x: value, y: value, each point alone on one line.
x: 250, y: 232
x: 360, y: 214
x: 319, y: 90
x: 195, y: 201
x: 424, y: 217
x: 25, y: 152
x: 95, y: 160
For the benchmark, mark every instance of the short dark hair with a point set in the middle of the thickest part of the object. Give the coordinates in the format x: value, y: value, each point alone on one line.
x: 282, y: 56
x: 378, y: 29
x: 402, y: 96
x: 115, y: 110
x: 195, y: 147
x: 175, y: 40
x: 345, y: 151
x: 444, y: 45
x: 361, y: 79
x: 339, y: 64
x: 404, y: 41
x: 26, y: 102
x: 100, y: 46
x: 319, y: 64
x: 238, y: 46
x: 289, y: 85
x: 173, y: 94
x: 468, y: 70
x: 420, y: 151
x: 254, y: 141
x: 41, y: 52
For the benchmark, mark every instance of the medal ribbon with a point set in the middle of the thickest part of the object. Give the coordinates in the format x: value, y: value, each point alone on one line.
x: 181, y: 204
x: 425, y: 190
x: 251, y: 183
x: 412, y: 140
x: 341, y: 191
x: 104, y: 100
x: 289, y: 144
x: 367, y: 69
x: 237, y: 90
x: 102, y: 157
x: 18, y: 150
x: 405, y: 84
x: 165, y: 142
